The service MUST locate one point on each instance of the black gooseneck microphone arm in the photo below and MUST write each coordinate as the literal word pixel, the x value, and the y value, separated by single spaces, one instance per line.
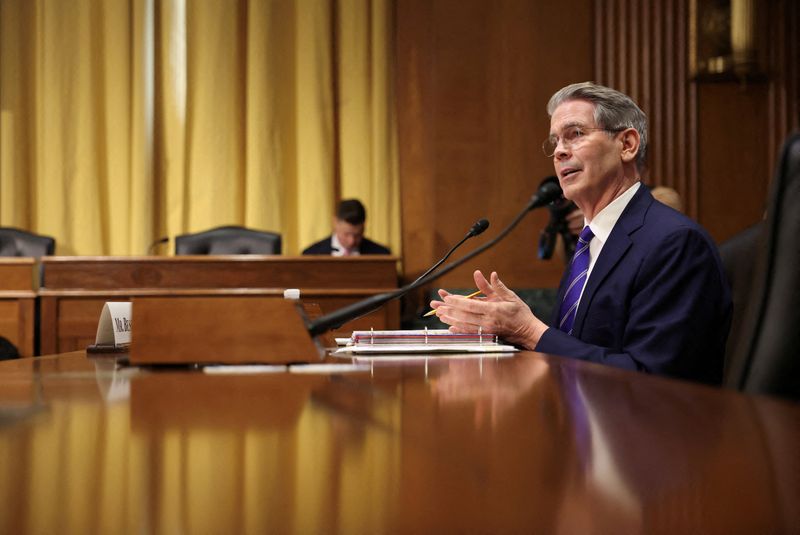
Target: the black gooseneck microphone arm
pixel 478 228
pixel 155 244
pixel 547 193
pixel 336 318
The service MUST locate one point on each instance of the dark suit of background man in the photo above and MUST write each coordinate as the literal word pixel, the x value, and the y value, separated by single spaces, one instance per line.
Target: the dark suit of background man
pixel 348 233
pixel 655 297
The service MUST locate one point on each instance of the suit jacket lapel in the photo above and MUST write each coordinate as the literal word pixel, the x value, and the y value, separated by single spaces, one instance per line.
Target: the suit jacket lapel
pixel 619 241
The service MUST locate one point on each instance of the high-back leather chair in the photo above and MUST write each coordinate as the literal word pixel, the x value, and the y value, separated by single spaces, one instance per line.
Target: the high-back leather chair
pixel 228 240
pixel 18 242
pixel 738 255
pixel 766 358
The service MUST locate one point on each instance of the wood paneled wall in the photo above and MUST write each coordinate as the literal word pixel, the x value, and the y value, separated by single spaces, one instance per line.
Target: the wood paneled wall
pixel 716 142
pixel 641 48
pixel 474 77
pixel 473 80
pixel 783 92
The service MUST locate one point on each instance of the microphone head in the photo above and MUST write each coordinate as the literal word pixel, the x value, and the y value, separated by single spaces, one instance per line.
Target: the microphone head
pixel 479 227
pixel 552 179
pixel 549 191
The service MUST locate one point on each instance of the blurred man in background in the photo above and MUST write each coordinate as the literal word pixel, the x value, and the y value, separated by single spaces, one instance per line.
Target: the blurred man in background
pixel 348 238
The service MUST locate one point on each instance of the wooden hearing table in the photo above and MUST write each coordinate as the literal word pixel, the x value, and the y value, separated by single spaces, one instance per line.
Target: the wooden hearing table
pixel 17 299
pixel 524 444
pixel 75 288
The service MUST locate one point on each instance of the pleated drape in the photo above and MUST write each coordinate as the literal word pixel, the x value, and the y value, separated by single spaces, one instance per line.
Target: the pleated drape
pixel 127 120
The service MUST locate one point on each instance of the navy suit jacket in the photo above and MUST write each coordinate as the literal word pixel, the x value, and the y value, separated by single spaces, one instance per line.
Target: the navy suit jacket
pixel 657 299
pixel 366 247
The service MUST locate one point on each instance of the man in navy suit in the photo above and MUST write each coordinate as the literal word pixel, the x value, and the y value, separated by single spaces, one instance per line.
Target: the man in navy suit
pixel 652 295
pixel 348 233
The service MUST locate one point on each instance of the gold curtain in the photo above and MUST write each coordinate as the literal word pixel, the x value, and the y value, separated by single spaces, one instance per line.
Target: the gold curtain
pixel 127 120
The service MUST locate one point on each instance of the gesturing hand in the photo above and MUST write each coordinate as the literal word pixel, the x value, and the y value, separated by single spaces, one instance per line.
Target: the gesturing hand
pixel 575 221
pixel 501 312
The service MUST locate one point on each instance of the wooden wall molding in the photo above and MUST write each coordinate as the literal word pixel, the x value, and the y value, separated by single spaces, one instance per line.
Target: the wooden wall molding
pixel 716 143
pixel 783 110
pixel 641 50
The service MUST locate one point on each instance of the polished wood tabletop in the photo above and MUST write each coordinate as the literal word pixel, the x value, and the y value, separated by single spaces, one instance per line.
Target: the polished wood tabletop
pixel 525 443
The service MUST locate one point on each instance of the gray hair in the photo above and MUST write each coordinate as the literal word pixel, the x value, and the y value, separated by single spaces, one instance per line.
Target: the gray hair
pixel 613 110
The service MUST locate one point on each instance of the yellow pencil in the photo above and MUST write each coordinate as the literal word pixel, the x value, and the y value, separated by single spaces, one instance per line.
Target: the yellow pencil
pixel 470 296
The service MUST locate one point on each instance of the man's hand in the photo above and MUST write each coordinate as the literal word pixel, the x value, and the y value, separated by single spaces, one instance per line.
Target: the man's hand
pixel 575 221
pixel 501 312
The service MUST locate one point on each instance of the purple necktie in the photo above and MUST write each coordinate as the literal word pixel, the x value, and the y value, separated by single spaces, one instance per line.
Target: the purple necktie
pixel 577 278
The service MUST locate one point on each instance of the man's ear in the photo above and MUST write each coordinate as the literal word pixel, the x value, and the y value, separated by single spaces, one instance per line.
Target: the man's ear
pixel 630 144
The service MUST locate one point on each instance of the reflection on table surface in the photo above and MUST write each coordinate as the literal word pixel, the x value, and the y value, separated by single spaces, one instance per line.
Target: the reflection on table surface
pixel 530 443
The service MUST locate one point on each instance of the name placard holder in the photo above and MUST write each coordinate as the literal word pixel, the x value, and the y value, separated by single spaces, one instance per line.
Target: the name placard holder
pixel 113 329
pixel 220 330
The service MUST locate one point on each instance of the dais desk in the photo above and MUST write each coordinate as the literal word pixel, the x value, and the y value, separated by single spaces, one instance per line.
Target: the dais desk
pixel 75 288
pixel 526 444
pixel 17 303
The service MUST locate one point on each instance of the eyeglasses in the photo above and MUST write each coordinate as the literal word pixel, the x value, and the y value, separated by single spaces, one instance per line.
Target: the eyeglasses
pixel 570 137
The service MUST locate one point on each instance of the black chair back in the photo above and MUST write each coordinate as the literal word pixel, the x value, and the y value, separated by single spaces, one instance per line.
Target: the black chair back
pixel 766 358
pixel 228 240
pixel 18 242
pixel 738 256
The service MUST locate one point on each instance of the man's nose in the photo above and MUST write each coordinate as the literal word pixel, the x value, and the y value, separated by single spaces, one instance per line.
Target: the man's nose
pixel 562 150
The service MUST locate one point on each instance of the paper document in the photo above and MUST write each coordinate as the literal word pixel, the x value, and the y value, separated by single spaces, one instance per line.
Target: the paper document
pixel 422 357
pixel 328 368
pixel 244 369
pixel 420 336
pixel 422 341
pixel 383 349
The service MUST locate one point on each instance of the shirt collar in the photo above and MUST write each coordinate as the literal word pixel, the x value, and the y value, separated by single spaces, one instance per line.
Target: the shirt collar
pixel 603 223
pixel 338 248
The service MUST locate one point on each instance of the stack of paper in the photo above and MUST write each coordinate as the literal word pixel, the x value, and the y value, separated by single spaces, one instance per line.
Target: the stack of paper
pixel 422 341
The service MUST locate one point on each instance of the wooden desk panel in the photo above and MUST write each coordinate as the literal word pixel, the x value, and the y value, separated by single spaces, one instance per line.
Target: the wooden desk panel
pixel 17 274
pixel 77 287
pixel 233 271
pixel 526 444
pixel 17 303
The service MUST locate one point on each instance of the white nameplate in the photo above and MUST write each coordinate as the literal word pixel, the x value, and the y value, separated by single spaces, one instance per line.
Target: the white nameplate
pixel 114 327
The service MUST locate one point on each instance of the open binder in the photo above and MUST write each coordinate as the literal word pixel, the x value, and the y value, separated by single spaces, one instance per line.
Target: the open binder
pixel 423 341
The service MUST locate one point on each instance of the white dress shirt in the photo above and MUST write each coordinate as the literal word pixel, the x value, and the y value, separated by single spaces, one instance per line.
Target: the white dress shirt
pixel 339 249
pixel 602 225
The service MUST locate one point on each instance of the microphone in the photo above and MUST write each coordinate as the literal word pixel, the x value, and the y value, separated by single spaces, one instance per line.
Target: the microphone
pixel 559 209
pixel 478 228
pixel 340 316
pixel 547 193
pixel 156 243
